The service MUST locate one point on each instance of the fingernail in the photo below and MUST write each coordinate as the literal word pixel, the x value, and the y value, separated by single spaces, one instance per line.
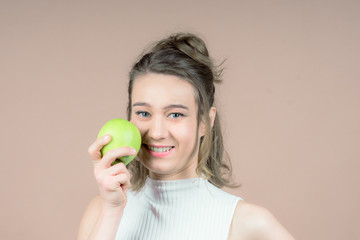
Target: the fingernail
pixel 132 151
pixel 107 137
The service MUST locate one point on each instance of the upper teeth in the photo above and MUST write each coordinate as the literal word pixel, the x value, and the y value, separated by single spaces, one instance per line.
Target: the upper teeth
pixel 160 149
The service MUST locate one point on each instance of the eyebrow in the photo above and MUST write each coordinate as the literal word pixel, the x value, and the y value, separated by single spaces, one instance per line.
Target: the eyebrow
pixel 166 107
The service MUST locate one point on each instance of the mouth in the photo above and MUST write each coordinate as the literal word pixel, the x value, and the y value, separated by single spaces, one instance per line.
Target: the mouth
pixel 159 151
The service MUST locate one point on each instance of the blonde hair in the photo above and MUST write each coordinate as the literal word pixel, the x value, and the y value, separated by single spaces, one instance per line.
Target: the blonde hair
pixel 185 55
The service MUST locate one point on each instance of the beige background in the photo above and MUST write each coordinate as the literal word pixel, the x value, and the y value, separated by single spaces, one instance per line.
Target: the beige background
pixel 290 104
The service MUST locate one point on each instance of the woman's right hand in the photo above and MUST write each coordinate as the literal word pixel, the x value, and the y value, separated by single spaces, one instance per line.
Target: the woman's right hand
pixel 112 181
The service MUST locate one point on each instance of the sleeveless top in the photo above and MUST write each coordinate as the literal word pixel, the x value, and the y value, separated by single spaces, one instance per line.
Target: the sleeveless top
pixel 177 209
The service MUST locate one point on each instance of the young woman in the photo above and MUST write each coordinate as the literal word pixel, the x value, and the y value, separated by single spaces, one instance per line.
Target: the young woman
pixel 172 189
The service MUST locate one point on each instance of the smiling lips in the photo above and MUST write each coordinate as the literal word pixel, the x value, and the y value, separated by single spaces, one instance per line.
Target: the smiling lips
pixel 159 151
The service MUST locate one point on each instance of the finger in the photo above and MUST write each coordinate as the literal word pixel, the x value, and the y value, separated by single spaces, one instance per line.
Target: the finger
pixel 117 169
pixel 95 147
pixel 111 155
pixel 121 180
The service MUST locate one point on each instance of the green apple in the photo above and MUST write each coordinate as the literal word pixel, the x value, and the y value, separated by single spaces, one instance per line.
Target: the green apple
pixel 123 134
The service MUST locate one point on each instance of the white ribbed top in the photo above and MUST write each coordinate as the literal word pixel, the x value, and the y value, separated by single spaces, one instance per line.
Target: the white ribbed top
pixel 179 209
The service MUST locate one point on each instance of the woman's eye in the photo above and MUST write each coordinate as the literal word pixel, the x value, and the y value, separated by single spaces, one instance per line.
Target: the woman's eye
pixel 143 114
pixel 176 115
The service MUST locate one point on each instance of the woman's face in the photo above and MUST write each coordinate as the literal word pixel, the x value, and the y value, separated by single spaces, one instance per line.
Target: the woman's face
pixel 165 111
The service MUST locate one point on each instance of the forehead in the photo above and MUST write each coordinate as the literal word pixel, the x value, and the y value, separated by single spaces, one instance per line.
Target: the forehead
pixel 161 90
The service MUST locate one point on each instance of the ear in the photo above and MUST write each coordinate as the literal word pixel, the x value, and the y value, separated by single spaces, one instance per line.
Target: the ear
pixel 212 115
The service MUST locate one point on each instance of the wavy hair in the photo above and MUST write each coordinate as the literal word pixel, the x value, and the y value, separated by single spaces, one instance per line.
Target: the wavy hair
pixel 185 55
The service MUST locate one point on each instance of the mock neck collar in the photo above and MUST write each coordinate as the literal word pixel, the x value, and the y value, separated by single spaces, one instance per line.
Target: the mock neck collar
pixel 167 191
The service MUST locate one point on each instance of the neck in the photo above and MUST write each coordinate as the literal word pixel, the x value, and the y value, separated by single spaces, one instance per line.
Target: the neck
pixel 165 192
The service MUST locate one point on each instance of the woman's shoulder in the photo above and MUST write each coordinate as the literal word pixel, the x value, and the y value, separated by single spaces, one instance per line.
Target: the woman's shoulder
pixel 251 221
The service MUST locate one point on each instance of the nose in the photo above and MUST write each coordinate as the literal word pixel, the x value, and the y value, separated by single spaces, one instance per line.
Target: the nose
pixel 158 129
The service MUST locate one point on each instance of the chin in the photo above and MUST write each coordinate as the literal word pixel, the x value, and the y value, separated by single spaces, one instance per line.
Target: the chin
pixel 158 166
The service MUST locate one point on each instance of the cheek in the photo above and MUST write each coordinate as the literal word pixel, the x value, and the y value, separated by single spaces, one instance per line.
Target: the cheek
pixel 185 133
pixel 140 125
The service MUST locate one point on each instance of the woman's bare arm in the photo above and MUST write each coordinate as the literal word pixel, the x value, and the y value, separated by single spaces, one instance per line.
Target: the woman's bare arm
pixel 89 218
pixel 98 224
pixel 103 214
